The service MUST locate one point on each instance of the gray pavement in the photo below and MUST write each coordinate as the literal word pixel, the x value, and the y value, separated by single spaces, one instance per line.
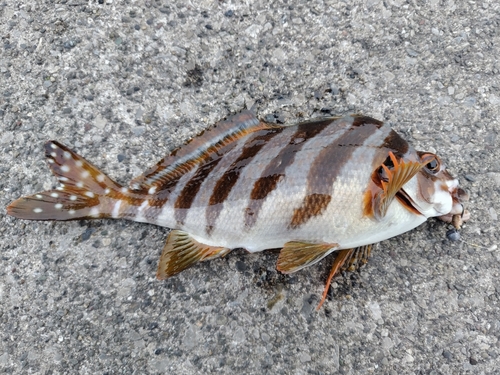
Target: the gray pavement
pixel 124 82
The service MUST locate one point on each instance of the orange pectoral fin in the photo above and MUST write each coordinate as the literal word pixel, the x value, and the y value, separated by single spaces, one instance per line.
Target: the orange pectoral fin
pixel 296 255
pixel 182 251
pixel 396 178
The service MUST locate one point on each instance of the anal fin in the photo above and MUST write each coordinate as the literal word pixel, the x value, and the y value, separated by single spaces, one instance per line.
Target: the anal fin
pixel 182 251
pixel 296 255
pixel 346 260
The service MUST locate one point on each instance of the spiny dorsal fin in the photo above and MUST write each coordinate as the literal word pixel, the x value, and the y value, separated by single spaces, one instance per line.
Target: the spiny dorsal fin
pixel 197 150
pixel 182 251
pixel 296 255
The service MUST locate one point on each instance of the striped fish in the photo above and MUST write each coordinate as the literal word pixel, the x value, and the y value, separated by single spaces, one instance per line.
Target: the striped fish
pixel 323 186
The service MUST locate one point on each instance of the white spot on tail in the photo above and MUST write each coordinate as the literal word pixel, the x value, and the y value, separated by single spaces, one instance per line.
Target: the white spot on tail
pixel 71 212
pixel 116 209
pixel 51 161
pixel 67 155
pixel 54 195
pixel 73 198
pixel 64 179
pixel 94 211
pixel 124 190
pixel 79 163
pixel 139 216
pixel 54 146
pixel 152 190
pixel 60 188
pixel 65 168
pixel 85 174
pixel 107 191
pixel 38 196
pixel 79 184
pixel 143 205
pixel 37 210
pixel 58 206
pixel 100 178
pixel 89 194
pixel 53 154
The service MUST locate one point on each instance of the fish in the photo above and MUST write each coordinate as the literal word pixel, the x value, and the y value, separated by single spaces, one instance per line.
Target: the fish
pixel 323 186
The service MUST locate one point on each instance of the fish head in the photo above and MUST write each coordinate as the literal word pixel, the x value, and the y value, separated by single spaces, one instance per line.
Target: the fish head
pixel 433 191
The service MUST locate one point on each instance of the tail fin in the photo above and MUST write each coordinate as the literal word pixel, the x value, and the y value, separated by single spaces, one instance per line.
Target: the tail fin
pixel 79 195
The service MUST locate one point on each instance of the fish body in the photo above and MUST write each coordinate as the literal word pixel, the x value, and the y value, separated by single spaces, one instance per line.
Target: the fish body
pixel 311 189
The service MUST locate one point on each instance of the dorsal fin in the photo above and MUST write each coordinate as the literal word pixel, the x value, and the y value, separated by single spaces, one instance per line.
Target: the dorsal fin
pixel 195 151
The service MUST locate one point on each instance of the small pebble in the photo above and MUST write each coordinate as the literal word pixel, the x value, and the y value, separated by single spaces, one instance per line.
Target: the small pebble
pixel 241 266
pixel 470 178
pixel 138 130
pixel 447 354
pixel 493 214
pixel 453 235
pixel 270 118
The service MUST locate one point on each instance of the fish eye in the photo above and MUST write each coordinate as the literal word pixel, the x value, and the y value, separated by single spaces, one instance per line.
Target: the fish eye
pixel 433 165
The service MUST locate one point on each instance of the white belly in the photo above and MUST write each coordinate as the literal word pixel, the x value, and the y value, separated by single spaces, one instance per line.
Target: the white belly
pixel 348 231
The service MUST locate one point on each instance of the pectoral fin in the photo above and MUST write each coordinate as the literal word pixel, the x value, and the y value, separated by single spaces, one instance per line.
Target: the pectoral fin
pixel 400 174
pixel 296 255
pixel 346 260
pixel 182 251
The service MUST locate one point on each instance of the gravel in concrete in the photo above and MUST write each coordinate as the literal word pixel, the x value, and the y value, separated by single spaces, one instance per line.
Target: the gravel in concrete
pixel 123 82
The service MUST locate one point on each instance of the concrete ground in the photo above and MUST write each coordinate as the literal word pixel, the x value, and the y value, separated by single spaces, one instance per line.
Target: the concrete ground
pixel 124 82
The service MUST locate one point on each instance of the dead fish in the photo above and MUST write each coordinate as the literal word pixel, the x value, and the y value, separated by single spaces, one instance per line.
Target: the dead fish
pixel 318 187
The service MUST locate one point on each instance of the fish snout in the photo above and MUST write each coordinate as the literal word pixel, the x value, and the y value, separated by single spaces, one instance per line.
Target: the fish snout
pixel 460 197
pixel 458 213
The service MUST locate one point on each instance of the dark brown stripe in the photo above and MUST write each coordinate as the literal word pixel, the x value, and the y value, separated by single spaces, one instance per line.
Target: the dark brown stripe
pixel 275 170
pixel 397 144
pixel 313 205
pixel 365 120
pixel 159 199
pixel 325 169
pixel 228 180
pixel 192 187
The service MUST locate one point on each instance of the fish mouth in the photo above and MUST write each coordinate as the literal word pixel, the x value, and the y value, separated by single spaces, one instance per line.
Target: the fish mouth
pixel 406 201
pixel 458 213
pixel 456 216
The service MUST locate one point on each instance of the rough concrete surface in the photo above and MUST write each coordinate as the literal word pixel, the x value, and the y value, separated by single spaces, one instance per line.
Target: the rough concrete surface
pixel 123 82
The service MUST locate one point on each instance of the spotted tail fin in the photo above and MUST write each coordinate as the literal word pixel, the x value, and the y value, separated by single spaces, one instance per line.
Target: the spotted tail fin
pixel 84 191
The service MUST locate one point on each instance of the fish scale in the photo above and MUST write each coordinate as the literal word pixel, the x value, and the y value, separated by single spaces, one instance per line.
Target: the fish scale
pixel 322 186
